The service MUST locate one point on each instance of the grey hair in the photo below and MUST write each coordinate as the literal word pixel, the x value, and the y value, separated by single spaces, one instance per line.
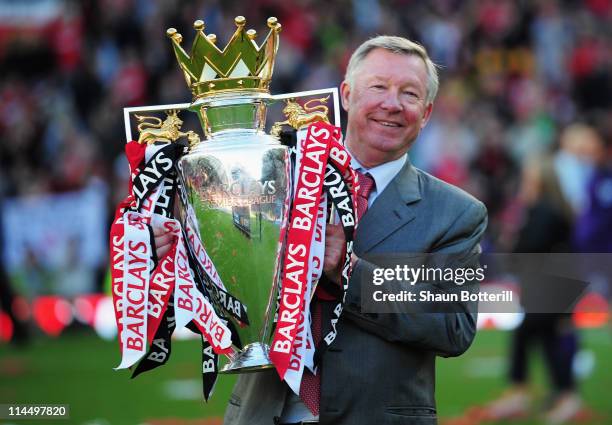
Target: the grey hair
pixel 399 45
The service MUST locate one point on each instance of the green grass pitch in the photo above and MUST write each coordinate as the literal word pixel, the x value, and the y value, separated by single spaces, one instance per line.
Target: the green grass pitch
pixel 76 369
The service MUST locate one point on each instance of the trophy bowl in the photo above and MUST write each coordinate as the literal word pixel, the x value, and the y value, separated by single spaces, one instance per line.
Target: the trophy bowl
pixel 236 181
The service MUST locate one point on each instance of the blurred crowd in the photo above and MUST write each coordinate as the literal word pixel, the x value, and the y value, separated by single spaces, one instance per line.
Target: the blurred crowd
pixel 520 79
pixel 523 118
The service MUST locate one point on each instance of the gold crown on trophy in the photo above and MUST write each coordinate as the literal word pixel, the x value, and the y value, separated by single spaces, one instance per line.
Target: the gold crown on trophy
pixel 242 65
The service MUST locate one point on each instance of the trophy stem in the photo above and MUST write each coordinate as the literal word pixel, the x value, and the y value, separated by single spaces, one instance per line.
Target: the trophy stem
pixel 220 112
pixel 252 358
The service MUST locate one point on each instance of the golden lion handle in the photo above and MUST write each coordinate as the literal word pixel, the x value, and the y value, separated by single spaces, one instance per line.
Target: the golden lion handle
pixel 300 116
pixel 152 129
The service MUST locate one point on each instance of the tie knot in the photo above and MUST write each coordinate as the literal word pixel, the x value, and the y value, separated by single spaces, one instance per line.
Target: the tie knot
pixel 366 184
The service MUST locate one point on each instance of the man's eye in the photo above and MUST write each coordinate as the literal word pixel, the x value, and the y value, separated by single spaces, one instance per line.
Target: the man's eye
pixel 378 86
pixel 411 94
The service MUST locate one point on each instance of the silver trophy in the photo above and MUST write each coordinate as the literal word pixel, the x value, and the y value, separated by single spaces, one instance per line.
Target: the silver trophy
pixel 237 176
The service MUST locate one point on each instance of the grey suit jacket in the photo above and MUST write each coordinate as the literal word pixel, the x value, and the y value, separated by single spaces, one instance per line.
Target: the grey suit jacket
pixel 381 367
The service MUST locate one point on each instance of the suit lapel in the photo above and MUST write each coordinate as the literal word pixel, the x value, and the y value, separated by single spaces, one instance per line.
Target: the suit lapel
pixel 391 210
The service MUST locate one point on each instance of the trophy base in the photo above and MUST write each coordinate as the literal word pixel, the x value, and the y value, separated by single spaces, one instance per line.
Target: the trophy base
pixel 252 358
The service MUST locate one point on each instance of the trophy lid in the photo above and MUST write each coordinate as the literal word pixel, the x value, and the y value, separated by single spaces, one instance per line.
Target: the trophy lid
pixel 241 67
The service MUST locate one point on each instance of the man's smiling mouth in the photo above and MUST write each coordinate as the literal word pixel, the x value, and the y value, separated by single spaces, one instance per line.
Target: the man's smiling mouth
pixel 387 123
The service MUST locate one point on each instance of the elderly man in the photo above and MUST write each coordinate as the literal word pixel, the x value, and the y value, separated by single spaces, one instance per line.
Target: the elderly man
pixel 381 367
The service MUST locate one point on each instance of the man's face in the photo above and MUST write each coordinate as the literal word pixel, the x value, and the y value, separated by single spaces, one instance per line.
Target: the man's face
pixel 386 106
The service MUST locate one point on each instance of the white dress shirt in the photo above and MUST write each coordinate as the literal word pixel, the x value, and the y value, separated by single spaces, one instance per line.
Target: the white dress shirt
pixel 382 174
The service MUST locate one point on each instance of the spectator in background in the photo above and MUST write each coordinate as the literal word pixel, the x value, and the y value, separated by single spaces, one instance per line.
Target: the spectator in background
pixel 581 151
pixel 593 229
pixel 20 332
pixel 547 227
pixel 594 225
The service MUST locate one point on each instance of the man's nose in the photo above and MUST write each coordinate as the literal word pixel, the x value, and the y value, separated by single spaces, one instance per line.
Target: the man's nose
pixel 391 102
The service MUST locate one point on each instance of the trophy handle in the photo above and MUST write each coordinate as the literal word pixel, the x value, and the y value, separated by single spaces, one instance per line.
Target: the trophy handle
pixel 300 116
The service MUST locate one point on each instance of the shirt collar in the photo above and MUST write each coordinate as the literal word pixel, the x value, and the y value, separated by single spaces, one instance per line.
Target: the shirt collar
pixel 383 173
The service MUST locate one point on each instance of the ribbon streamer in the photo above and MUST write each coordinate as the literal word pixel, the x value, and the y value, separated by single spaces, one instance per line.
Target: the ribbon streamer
pixel 152 296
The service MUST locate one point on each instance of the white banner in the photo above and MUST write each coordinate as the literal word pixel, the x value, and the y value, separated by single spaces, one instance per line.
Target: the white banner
pixel 51 228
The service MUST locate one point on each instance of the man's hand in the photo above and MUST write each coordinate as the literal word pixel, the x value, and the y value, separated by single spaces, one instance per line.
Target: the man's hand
pixel 163 241
pixel 335 244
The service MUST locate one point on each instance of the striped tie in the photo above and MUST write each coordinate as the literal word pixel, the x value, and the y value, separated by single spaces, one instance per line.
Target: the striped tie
pixel 310 389
pixel 366 185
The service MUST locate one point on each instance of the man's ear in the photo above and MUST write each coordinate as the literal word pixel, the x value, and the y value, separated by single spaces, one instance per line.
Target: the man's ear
pixel 345 91
pixel 427 115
